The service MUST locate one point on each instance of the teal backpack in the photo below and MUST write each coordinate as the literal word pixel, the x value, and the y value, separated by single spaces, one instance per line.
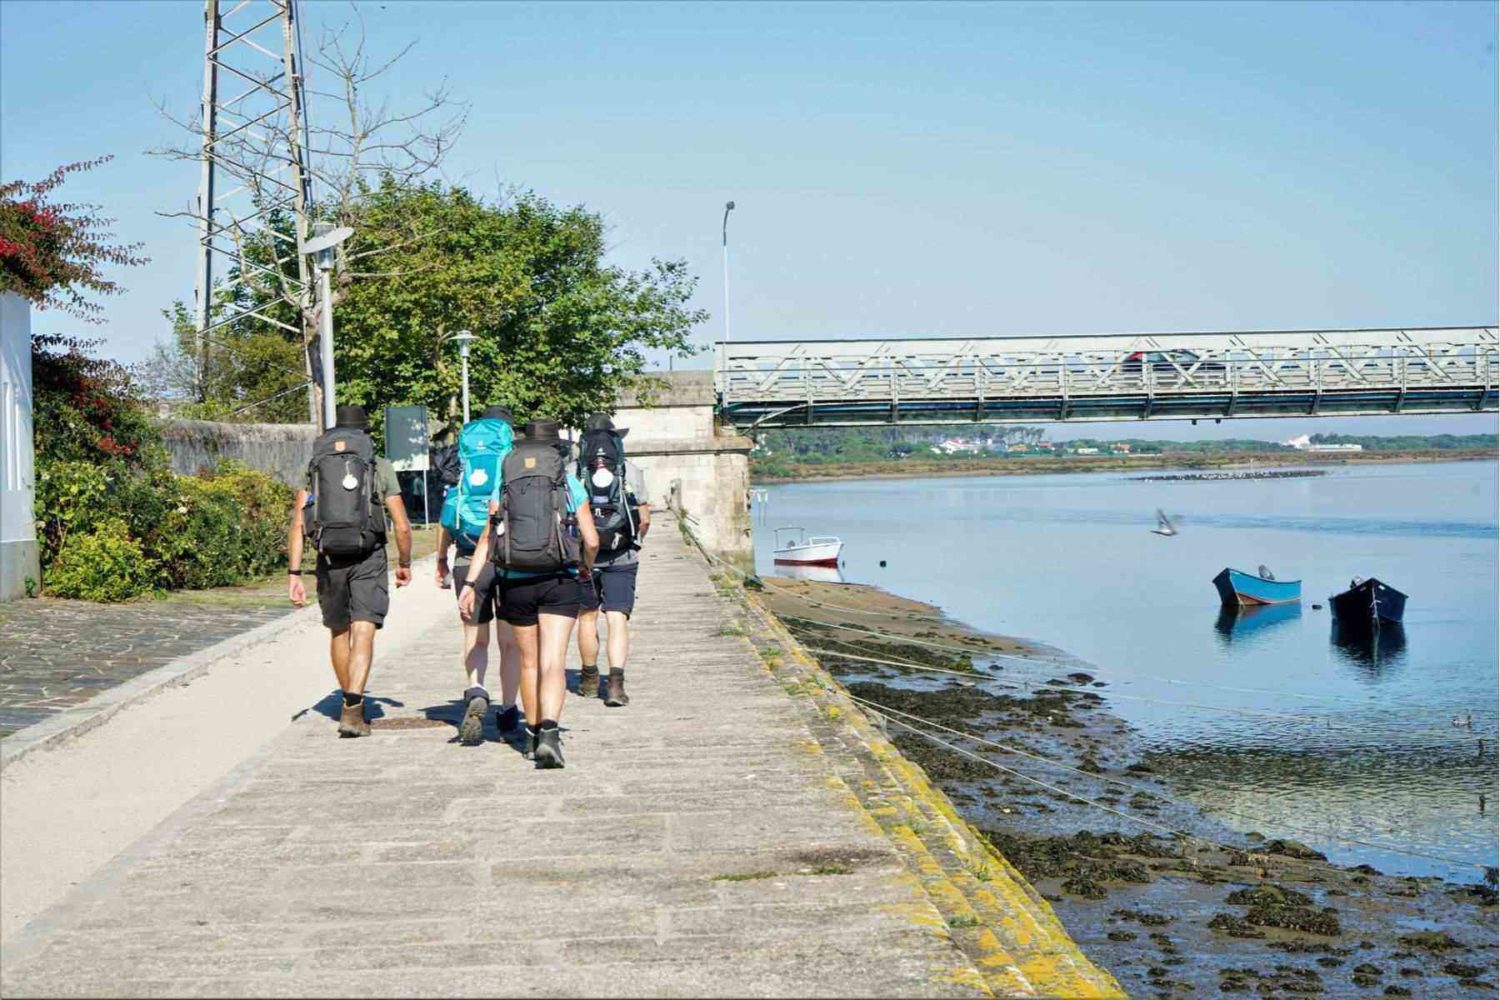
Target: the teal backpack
pixel 482 445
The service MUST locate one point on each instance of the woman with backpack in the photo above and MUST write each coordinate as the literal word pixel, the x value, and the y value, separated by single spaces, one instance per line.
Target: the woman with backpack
pixel 540 539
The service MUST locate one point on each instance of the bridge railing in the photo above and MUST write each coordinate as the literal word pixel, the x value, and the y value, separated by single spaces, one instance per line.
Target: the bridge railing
pixel 763 375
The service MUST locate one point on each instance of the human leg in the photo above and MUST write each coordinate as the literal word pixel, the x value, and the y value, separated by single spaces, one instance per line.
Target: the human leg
pixel 617 600
pixel 510 676
pixel 588 636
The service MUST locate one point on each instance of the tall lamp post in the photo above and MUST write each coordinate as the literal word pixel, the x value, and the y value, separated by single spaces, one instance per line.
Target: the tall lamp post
pixel 324 238
pixel 464 337
pixel 724 346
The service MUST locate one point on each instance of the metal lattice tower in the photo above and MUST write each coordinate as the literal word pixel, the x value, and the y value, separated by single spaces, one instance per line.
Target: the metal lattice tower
pixel 254 166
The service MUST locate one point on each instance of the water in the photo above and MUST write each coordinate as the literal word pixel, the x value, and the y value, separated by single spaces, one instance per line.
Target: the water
pixel 1327 742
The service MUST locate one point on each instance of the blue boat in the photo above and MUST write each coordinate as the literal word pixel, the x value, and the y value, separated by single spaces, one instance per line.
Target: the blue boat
pixel 1241 589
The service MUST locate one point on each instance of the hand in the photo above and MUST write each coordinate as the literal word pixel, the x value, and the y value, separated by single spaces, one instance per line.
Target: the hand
pixel 403 575
pixel 442 574
pixel 466 604
pixel 296 592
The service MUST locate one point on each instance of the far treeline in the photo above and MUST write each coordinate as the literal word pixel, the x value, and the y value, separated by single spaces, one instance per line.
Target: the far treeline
pixel 810 451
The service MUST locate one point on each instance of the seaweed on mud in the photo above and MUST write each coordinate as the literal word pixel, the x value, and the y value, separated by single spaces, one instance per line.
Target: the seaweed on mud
pixel 1463 970
pixel 1397 991
pixel 1277 906
pixel 1267 895
pixel 1143 917
pixel 1234 926
pixel 1433 941
pixel 940 763
pixel 1085 861
pixel 1121 935
pixel 1294 849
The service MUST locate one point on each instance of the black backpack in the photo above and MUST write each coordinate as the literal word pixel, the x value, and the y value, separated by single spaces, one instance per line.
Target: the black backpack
pixel 346 515
pixel 601 469
pixel 445 464
pixel 533 530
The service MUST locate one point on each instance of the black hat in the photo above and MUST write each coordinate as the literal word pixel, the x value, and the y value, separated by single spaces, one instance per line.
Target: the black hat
pixel 602 422
pixel 541 432
pixel 497 412
pixel 351 416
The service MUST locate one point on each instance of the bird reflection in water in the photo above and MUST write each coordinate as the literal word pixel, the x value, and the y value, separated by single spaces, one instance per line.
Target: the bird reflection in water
pixel 1373 651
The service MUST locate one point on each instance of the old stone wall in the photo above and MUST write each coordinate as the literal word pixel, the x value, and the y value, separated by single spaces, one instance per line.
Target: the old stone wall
pixel 281 450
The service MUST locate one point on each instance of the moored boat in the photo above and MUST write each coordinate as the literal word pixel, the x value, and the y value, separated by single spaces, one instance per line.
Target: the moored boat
pixel 819 550
pixel 1238 588
pixel 1368 604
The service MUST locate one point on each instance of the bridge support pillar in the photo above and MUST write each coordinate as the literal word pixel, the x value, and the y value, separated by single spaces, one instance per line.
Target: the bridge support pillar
pixel 690 464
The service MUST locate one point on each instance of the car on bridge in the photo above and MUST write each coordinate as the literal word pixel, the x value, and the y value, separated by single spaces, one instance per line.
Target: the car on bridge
pixel 1171 361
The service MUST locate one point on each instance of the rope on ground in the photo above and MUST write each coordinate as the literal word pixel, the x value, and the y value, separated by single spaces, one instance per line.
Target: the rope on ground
pixel 1259 821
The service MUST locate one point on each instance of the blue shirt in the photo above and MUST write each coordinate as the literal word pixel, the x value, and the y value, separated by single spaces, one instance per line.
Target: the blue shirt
pixel 577 497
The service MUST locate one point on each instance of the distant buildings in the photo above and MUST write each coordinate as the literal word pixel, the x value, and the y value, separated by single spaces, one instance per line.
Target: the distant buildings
pixel 1304 442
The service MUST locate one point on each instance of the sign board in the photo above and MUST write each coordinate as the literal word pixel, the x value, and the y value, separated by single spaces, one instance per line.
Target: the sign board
pixel 406 441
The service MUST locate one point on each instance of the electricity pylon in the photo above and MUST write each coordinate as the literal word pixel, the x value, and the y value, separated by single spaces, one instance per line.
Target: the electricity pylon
pixel 254 168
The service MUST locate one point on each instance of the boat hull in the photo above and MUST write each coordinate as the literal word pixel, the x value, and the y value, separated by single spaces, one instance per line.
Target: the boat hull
pixel 1239 589
pixel 816 554
pixel 1369 605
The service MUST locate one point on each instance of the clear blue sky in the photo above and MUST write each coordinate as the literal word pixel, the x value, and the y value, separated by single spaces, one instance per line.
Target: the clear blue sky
pixel 899 169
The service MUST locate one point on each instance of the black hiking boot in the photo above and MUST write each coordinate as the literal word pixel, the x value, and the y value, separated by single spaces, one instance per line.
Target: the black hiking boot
pixel 614 694
pixel 588 681
pixel 548 752
pixel 508 721
pixel 471 730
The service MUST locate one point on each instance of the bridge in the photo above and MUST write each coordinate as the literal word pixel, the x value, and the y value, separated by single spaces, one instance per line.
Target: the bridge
pixel 1159 376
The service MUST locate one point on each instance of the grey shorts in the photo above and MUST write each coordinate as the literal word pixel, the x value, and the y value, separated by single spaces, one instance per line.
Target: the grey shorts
pixel 484 589
pixel 354 589
pixel 611 589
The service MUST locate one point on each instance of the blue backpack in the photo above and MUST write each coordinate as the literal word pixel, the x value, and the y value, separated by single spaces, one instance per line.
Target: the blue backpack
pixel 482 445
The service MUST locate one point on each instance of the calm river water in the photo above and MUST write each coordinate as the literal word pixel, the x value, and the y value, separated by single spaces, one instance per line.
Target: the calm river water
pixel 1327 742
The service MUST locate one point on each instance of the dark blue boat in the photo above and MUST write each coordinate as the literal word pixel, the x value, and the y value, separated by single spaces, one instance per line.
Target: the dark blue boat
pixel 1368 604
pixel 1238 588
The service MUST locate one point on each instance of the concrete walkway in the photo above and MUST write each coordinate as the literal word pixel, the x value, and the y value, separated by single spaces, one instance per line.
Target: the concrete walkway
pixel 704 841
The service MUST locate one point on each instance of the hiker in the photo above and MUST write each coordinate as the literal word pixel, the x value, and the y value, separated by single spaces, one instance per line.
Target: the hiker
pixel 617 491
pixel 540 539
pixel 339 510
pixel 481 445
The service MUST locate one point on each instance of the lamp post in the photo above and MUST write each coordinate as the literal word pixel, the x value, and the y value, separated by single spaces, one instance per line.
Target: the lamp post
pixel 320 248
pixel 724 343
pixel 464 337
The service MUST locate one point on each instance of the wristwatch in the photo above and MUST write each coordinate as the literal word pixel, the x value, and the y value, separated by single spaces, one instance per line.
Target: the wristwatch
pixel 295 572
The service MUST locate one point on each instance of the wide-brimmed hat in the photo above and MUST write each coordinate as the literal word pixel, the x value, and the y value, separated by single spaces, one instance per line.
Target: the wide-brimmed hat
pixel 351 416
pixel 541 432
pixel 497 412
pixel 602 422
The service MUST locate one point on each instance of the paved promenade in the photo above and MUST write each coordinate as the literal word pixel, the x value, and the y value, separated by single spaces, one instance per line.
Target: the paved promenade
pixel 733 832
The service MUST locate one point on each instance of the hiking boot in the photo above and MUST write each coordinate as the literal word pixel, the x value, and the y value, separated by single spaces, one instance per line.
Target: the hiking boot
pixel 528 743
pixel 588 682
pixel 352 720
pixel 614 694
pixel 471 730
pixel 548 753
pixel 508 721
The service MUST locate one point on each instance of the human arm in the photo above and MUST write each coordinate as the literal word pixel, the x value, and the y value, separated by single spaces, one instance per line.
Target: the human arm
pixel 642 520
pixel 443 541
pixel 476 566
pixel 396 507
pixel 295 591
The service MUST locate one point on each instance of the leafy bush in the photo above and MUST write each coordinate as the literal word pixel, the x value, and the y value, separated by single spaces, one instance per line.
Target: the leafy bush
pixel 197 543
pixel 105 564
pixel 73 497
pixel 264 508
pixel 88 408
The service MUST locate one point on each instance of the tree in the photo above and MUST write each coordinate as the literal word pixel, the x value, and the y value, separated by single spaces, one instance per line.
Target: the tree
pixel 559 332
pixel 54 253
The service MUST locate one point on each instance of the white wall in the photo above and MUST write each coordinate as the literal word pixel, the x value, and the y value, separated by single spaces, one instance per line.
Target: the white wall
pixel 18 550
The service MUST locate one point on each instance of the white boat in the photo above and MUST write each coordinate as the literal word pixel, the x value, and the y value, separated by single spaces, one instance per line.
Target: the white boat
pixel 819 550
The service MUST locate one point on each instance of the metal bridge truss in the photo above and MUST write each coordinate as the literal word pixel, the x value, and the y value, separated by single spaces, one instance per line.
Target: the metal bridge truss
pixel 1115 377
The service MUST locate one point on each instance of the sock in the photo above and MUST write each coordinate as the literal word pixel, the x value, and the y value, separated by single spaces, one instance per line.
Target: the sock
pixel 617 672
pixel 546 725
pixel 590 667
pixel 350 700
pixel 477 691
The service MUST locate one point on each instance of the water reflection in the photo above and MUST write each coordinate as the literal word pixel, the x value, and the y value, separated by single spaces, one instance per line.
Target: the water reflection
pixel 1373 651
pixel 1238 624
pixel 818 574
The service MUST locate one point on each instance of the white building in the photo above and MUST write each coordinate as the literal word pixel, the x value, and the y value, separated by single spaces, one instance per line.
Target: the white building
pixel 18 550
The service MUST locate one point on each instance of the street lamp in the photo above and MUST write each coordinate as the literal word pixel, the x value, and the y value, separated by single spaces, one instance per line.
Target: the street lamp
pixel 464 337
pixel 320 249
pixel 728 207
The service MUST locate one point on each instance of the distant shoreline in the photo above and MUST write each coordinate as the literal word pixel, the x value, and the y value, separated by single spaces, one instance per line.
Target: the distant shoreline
pixel 922 469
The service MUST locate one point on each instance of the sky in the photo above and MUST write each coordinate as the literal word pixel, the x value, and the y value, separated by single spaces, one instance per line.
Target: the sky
pixel 898 170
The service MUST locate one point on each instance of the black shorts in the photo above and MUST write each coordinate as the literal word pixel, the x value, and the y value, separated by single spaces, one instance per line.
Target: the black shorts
pixel 521 601
pixel 484 589
pixel 611 589
pixel 353 589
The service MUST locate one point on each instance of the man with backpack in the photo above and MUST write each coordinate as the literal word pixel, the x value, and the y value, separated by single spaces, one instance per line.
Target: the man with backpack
pixel 540 539
pixel 616 490
pixel 482 444
pixel 340 511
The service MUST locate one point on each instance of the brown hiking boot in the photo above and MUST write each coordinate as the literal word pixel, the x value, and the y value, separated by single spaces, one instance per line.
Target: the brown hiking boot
pixel 614 693
pixel 352 721
pixel 588 682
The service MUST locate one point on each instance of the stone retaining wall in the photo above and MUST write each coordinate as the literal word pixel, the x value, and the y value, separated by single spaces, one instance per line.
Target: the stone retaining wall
pixel 282 450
